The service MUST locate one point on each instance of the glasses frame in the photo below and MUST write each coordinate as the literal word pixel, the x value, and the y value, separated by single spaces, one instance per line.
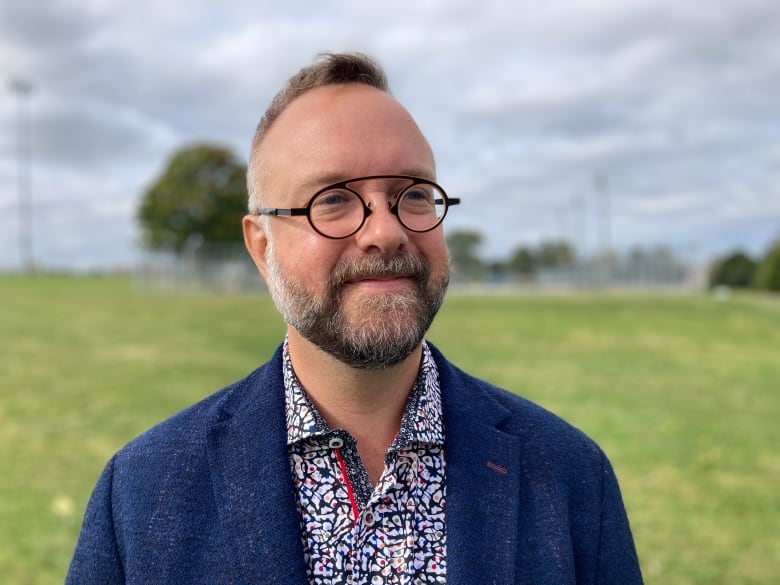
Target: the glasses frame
pixel 306 211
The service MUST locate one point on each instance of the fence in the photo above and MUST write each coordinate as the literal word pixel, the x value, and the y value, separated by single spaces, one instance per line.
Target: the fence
pixel 223 268
pixel 227 268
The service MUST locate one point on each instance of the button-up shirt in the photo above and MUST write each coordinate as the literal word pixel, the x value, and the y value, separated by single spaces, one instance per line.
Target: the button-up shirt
pixel 357 533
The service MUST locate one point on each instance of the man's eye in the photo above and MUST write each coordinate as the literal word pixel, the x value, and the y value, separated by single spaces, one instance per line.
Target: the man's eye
pixel 418 195
pixel 334 198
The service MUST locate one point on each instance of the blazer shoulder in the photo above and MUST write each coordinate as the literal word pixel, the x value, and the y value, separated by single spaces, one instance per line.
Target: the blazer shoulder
pixel 188 429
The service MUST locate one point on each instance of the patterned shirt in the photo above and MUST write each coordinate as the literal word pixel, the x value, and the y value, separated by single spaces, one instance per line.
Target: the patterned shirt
pixel 357 533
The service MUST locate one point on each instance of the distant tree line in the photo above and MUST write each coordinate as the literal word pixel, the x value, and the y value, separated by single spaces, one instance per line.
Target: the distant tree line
pixel 739 270
pixel 528 263
pixel 524 261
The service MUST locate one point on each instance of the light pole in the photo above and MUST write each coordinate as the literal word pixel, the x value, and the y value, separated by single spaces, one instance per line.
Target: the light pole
pixel 23 89
pixel 601 181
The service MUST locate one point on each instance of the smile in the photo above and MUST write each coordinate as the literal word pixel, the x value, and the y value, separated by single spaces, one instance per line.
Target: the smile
pixel 383 283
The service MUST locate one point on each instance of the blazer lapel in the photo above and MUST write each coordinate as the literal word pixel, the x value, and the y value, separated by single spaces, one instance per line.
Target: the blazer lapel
pixel 253 486
pixel 483 483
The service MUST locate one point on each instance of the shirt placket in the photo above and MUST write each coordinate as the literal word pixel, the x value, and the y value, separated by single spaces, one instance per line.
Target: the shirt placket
pixel 374 555
pixel 379 525
pixel 356 488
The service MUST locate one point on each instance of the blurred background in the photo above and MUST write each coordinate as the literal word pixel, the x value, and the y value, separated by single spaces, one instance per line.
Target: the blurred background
pixel 598 147
pixel 642 132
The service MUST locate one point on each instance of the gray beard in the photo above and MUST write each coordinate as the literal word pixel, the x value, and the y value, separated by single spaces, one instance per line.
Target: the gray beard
pixel 378 331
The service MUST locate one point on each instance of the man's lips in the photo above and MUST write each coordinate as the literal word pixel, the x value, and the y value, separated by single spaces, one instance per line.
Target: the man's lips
pixel 381 277
pixel 381 282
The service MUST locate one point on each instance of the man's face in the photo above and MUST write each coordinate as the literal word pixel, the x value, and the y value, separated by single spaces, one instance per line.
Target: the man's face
pixel 367 299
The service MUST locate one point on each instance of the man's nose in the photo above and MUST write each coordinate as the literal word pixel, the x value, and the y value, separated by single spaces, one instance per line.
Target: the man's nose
pixel 382 231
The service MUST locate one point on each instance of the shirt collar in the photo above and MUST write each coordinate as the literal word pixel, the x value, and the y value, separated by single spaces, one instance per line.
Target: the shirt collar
pixel 421 421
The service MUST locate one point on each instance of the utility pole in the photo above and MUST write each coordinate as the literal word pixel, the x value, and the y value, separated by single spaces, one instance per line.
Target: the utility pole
pixel 23 90
pixel 579 226
pixel 601 181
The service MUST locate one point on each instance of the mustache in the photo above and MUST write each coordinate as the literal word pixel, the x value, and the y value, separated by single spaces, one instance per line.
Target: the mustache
pixel 404 264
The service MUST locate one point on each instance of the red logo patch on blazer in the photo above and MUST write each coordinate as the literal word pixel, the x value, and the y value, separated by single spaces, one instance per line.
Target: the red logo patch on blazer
pixel 497 468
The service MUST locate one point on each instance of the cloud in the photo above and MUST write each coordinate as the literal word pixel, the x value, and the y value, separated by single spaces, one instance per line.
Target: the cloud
pixel 524 104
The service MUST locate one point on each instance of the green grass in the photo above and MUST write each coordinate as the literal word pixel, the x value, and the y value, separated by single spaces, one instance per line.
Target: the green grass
pixel 680 391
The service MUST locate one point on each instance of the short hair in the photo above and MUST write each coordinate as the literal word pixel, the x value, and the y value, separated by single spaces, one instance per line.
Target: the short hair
pixel 330 69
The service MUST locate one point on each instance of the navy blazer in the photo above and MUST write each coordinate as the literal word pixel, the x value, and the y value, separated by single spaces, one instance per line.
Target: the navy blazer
pixel 208 497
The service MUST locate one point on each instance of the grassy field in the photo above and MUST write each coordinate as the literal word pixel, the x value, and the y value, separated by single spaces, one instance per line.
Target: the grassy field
pixel 682 393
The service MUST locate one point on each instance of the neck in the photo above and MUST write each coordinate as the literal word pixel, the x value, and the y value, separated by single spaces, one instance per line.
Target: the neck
pixel 369 404
pixel 344 394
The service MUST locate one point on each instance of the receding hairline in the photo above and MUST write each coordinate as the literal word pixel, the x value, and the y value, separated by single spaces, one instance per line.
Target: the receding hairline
pixel 330 69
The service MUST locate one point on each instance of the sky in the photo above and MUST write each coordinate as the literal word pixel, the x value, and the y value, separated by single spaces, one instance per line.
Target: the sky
pixel 613 124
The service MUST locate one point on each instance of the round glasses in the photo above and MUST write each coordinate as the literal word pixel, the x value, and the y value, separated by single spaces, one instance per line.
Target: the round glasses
pixel 339 211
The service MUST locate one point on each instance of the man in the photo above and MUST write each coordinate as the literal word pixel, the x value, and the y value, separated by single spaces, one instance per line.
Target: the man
pixel 358 454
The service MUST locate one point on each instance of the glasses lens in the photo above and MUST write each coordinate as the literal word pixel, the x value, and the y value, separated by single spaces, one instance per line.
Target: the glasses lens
pixel 421 207
pixel 337 213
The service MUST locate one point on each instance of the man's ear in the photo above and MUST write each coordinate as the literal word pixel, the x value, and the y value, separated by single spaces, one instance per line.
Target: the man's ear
pixel 256 242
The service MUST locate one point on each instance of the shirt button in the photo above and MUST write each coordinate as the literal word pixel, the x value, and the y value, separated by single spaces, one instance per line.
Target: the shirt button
pixel 368 518
pixel 336 443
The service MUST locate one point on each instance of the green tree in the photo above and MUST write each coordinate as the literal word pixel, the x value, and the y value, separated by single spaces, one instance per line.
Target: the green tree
pixel 736 270
pixel 199 197
pixel 463 246
pixel 767 275
pixel 554 254
pixel 523 261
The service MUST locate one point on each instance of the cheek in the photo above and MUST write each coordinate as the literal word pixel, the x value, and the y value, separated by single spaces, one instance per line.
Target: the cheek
pixel 434 248
pixel 307 259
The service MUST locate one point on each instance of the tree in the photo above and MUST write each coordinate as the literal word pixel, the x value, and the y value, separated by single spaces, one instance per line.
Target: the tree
pixel 523 261
pixel 736 270
pixel 199 197
pixel 555 254
pixel 767 275
pixel 463 245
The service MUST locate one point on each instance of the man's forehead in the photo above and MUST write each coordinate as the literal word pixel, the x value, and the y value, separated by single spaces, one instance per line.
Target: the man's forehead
pixel 340 132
